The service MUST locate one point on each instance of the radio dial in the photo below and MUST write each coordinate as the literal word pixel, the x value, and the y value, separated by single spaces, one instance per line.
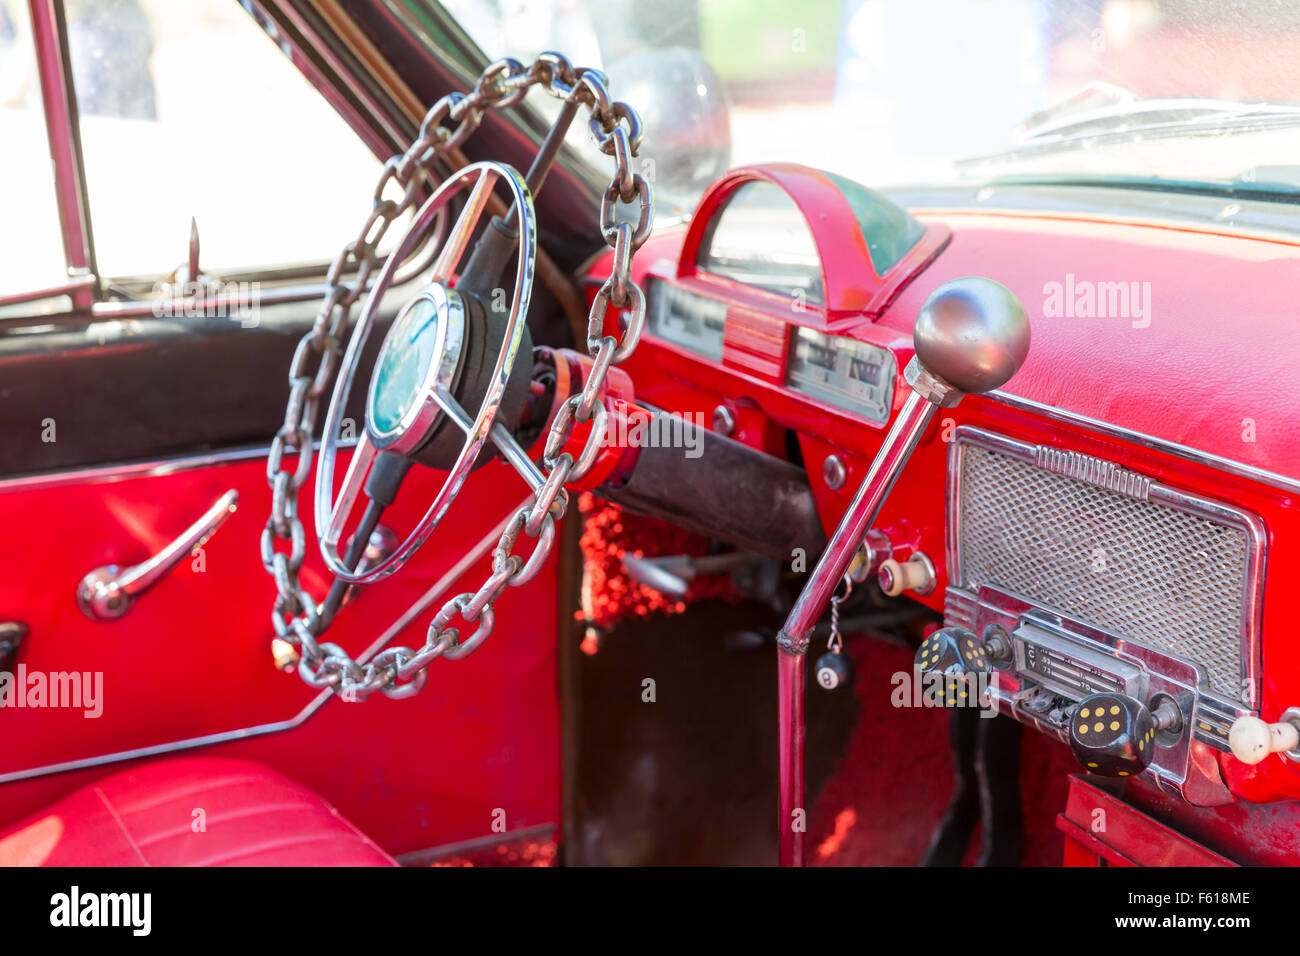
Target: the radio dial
pixel 1115 735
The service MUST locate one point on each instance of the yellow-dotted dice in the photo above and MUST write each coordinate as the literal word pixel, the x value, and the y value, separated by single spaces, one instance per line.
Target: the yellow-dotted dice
pixel 1112 734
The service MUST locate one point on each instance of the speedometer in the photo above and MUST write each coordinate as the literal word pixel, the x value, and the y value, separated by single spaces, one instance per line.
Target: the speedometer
pixel 852 375
pixel 691 321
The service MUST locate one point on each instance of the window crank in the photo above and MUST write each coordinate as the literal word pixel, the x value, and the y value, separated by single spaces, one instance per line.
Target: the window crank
pixel 108 592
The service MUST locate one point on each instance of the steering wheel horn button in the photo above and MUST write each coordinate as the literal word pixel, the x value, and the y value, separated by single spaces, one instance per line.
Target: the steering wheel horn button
pixel 420 355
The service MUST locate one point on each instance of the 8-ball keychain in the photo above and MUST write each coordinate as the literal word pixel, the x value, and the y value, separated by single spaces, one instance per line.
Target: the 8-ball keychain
pixel 834 668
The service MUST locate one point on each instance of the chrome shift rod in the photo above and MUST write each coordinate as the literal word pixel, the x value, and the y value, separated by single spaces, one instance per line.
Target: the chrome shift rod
pixel 971 336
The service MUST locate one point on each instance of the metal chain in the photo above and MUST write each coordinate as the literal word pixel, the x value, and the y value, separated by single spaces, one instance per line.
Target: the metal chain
pixel 296 617
pixel 835 642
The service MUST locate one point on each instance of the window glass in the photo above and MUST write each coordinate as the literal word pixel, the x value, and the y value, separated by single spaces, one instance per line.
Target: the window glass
pixel 761 238
pixel 906 91
pixel 31 248
pixel 189 109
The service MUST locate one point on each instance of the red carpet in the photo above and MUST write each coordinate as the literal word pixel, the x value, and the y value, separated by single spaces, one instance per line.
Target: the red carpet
pixel 893 783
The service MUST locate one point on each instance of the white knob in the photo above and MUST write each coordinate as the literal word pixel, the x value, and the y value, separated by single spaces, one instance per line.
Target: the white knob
pixel 914 574
pixel 1251 739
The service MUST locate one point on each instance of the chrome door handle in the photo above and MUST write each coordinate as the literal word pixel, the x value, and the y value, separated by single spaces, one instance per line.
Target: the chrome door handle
pixel 107 593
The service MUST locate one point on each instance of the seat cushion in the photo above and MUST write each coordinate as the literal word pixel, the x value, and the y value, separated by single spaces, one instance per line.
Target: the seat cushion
pixel 191 812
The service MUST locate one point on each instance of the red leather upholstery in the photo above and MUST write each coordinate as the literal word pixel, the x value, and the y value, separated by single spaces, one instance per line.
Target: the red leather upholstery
pixel 190 812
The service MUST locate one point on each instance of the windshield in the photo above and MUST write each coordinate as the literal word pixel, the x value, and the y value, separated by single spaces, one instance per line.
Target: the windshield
pixel 1193 92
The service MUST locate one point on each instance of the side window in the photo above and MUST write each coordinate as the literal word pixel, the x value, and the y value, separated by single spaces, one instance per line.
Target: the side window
pixel 31 245
pixel 190 110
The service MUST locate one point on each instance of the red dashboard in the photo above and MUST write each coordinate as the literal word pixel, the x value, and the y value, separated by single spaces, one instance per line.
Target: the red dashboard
pixel 1178 392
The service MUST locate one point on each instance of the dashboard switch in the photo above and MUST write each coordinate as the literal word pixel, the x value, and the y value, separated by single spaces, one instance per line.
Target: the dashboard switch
pixel 834 472
pixel 915 574
pixel 724 421
pixel 1251 739
pixel 1115 735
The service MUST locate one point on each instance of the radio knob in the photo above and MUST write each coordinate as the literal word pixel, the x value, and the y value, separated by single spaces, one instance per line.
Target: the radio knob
pixel 958 654
pixel 1251 739
pixel 1115 735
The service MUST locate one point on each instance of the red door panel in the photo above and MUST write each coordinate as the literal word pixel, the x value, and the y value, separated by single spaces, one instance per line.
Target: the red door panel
pixel 191 657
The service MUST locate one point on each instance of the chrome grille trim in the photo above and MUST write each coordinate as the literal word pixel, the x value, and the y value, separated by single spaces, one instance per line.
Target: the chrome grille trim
pixel 959 608
pixel 1095 471
pixel 1166 541
pixel 1214 718
pixel 1263 476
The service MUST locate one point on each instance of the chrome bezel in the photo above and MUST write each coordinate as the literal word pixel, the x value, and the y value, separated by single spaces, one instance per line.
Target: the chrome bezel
pixel 1109 475
pixel 421 418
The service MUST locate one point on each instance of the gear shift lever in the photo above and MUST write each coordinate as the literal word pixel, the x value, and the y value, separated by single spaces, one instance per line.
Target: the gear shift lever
pixel 971 336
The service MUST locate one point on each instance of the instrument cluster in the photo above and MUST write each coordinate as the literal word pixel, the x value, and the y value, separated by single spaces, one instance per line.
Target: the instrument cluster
pixel 854 375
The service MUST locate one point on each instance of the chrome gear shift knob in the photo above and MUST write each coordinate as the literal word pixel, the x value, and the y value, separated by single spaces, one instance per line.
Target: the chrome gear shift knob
pixel 971 335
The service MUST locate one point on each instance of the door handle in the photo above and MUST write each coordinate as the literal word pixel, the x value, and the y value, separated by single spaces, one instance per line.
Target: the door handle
pixel 108 592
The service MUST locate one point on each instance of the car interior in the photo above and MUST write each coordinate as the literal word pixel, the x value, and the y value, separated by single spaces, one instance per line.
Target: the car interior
pixel 676 432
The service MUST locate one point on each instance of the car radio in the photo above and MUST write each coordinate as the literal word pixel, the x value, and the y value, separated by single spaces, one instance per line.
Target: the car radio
pixel 1126 709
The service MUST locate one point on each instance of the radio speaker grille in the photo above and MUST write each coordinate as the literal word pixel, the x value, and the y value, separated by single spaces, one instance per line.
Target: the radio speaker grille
pixel 1148 572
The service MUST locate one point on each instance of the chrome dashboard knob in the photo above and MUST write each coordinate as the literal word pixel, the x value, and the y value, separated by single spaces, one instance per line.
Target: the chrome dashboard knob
pixel 972 335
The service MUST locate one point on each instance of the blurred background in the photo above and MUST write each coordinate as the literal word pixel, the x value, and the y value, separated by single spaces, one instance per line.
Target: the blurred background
pixel 188 109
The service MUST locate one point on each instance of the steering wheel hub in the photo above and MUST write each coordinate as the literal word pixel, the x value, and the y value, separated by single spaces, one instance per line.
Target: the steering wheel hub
pixel 422 352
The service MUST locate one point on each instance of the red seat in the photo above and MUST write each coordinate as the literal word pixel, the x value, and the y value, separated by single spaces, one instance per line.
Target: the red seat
pixel 192 812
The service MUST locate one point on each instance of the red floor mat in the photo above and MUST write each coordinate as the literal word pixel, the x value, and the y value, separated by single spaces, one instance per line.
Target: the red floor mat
pixel 893 782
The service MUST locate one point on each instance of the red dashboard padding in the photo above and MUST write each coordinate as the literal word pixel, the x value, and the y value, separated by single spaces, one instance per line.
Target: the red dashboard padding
pixel 190 812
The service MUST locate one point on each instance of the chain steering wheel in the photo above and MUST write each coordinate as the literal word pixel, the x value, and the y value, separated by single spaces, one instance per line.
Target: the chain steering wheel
pixel 447 349
pixel 411 387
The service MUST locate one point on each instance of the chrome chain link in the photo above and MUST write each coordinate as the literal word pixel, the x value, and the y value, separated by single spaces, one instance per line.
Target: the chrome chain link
pixel 296 617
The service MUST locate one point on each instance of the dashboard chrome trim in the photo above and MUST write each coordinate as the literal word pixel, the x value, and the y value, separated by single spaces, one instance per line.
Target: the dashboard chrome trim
pixel 1094 471
pixel 1249 639
pixel 1185 452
